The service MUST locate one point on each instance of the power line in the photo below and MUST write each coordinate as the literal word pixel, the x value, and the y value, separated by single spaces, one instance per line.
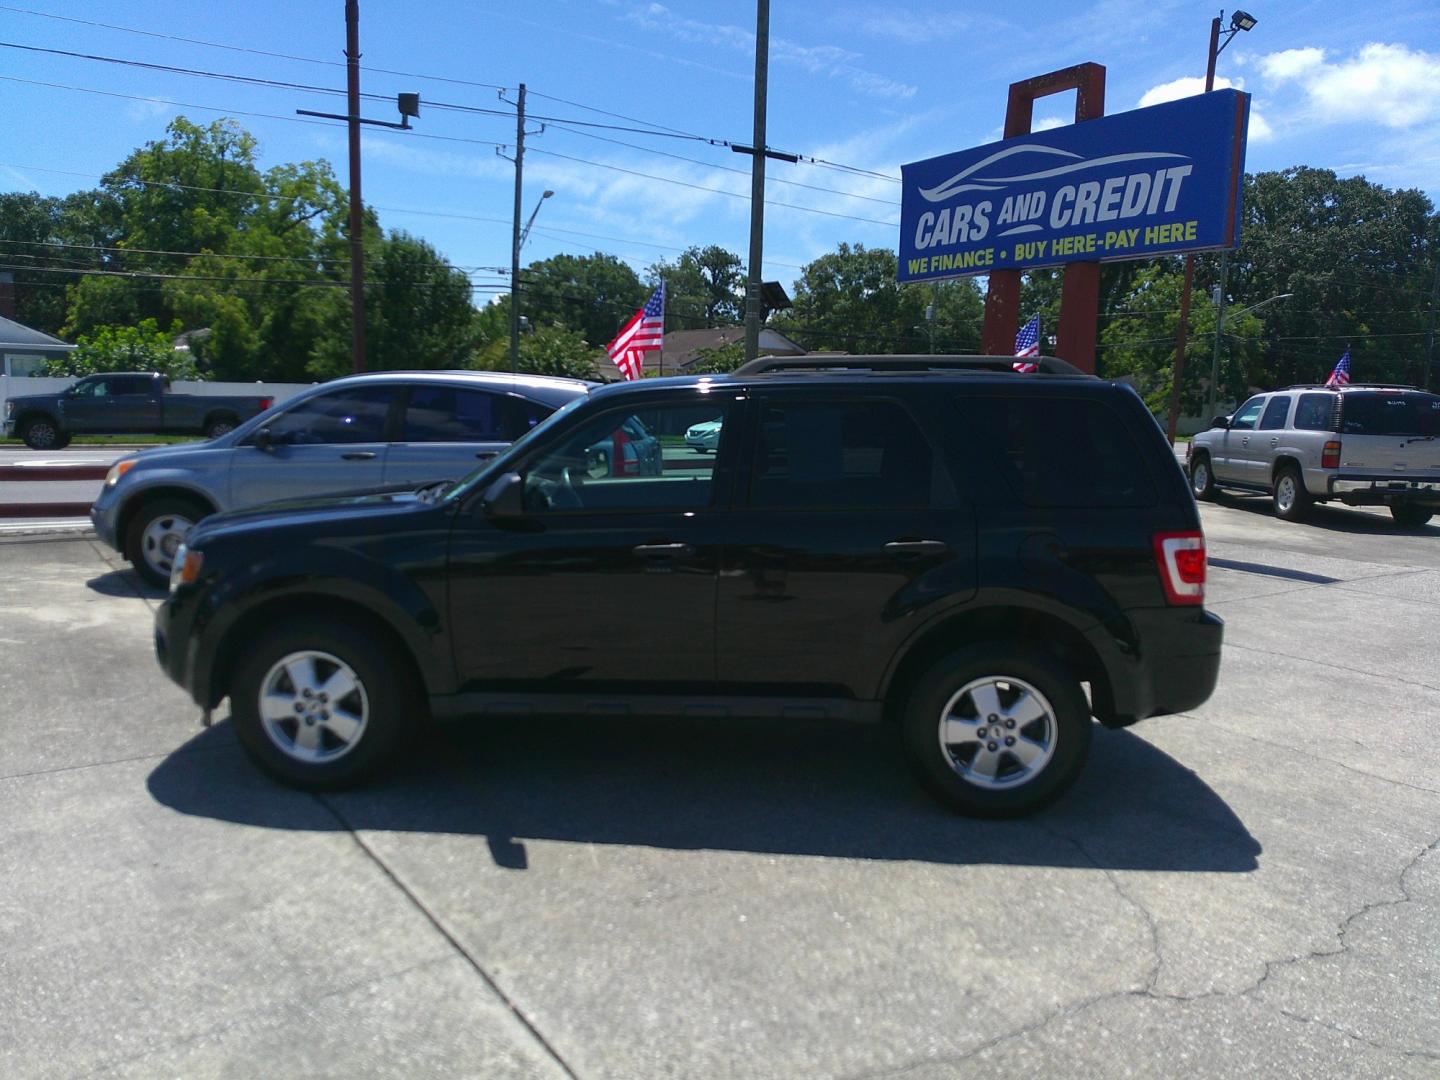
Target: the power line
pixel 247 282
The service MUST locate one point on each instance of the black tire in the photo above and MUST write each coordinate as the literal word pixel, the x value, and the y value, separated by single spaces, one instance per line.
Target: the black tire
pixel 1410 517
pixel 393 706
pixel 939 694
pixel 1202 478
pixel 41 433
pixel 154 530
pixel 1292 502
pixel 219 425
pixel 63 441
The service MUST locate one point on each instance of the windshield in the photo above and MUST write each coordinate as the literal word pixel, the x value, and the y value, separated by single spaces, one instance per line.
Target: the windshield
pixel 1412 414
pixel 501 462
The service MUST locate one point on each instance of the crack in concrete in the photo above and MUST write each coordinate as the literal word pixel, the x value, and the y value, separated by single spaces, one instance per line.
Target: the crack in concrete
pixel 1148 990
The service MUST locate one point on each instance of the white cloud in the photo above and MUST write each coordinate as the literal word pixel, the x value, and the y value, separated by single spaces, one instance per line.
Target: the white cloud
pixel 1190 85
pixel 1386 84
pixel 1048 123
pixel 1290 63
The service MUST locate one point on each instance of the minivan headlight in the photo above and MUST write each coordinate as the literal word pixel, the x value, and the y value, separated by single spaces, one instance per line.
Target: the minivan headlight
pixel 119 469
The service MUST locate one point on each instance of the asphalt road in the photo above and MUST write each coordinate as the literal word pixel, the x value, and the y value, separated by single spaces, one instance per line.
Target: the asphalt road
pixel 1249 890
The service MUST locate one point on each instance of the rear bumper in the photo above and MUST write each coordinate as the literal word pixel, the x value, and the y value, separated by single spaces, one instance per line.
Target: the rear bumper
pixel 1386 490
pixel 1176 671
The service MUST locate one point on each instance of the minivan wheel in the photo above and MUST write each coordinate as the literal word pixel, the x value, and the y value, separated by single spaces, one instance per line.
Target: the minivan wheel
pixel 320 704
pixel 996 732
pixel 155 534
pixel 1292 501
pixel 1410 517
pixel 1202 480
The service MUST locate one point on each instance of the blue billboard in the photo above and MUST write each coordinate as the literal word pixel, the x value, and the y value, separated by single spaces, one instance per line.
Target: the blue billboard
pixel 1156 181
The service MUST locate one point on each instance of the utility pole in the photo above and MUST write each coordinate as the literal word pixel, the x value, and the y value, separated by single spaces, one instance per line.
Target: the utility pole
pixel 757 182
pixel 515 235
pixel 1430 333
pixel 357 207
pixel 1212 397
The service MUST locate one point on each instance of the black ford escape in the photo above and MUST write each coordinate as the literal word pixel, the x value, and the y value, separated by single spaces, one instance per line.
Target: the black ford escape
pixel 940 542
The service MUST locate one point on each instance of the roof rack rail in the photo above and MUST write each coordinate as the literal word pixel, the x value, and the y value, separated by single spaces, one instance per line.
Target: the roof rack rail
pixel 1354 386
pixel 1045 365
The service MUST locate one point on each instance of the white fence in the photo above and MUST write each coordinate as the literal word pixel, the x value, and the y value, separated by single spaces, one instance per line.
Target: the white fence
pixel 21 385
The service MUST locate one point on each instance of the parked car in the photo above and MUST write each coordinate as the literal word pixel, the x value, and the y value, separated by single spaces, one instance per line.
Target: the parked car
pixel 703 438
pixel 938 541
pixel 392 429
pixel 122 403
pixel 1361 445
pixel 629 450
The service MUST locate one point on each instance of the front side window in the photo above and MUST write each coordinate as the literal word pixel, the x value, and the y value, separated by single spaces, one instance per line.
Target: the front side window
pixel 629 459
pixel 860 455
pixel 1275 413
pixel 1248 414
pixel 355 415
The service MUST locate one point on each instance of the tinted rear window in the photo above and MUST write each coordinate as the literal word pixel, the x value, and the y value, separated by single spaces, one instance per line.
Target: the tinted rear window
pixel 1058 452
pixel 1366 413
pixel 1316 412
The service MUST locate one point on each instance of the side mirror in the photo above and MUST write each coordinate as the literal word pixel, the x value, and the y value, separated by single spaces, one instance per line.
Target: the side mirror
pixel 264 440
pixel 505 497
pixel 1220 422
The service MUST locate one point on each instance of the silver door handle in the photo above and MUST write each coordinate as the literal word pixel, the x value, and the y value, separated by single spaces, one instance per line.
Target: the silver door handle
pixel 668 550
pixel 358 455
pixel 916 547
pixel 1275 441
pixel 485 455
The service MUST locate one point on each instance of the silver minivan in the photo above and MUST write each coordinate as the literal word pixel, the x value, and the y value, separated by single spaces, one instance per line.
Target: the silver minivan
pixel 385 429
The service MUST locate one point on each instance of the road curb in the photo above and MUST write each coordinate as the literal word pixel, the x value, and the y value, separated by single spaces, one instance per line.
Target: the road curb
pixel 45 510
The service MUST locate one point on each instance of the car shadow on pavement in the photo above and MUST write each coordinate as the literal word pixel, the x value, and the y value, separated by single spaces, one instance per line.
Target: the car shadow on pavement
pixel 792 789
pixel 124 583
pixel 1334 518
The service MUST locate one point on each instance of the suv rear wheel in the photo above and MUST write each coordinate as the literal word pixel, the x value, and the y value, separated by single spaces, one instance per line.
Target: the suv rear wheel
pixel 996 732
pixel 1292 500
pixel 1410 517
pixel 320 704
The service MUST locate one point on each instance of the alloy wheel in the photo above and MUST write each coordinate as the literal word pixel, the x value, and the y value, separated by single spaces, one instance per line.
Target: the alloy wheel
pixel 998 732
pixel 313 707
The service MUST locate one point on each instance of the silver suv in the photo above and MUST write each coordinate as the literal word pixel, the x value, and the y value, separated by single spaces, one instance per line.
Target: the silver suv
pixel 386 429
pixel 1365 444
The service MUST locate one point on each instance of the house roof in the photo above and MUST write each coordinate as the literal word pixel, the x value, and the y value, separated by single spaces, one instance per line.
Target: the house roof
pixel 682 346
pixel 14 333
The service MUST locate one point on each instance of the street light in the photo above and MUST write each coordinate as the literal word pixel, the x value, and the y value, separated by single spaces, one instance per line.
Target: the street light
pixel 525 232
pixel 1239 20
pixel 1219 329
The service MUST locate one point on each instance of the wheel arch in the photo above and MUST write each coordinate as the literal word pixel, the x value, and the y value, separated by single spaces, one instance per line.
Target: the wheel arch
pixel 1280 462
pixel 231 646
pixel 30 415
pixel 219 413
pixel 1042 630
pixel 137 501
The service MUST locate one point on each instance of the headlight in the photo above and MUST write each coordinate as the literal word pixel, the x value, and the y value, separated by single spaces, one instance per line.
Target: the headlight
pixel 185 570
pixel 119 469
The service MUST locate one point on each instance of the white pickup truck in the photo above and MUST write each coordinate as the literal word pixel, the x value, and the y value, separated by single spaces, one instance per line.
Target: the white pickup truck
pixel 1365 444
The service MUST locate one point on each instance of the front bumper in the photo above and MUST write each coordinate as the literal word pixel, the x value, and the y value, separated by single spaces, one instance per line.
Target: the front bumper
pixel 104 518
pixel 1386 490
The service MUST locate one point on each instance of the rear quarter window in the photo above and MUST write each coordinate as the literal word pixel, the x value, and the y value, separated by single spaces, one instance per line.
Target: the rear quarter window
pixel 1060 452
pixel 1316 412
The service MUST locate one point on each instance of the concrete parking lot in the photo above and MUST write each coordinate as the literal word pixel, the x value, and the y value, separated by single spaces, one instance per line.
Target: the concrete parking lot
pixel 1251 889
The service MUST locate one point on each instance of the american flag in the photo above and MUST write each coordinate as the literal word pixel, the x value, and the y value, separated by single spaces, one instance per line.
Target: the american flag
pixel 643 333
pixel 1027 343
pixel 1341 375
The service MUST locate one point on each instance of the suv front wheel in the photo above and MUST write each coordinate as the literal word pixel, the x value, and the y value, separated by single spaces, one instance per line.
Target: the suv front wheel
pixel 996 732
pixel 320 704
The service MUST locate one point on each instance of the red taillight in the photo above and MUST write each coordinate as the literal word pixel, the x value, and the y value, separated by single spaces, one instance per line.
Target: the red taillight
pixel 1330 455
pixel 266 402
pixel 1180 558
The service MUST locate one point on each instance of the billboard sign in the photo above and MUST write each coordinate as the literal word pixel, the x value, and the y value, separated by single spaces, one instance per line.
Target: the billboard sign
pixel 1156 181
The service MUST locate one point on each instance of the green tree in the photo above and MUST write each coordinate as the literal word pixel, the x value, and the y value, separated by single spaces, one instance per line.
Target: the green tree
pixel 593 294
pixel 849 300
pixel 704 287
pixel 143 347
pixel 717 360
pixel 544 350
pixel 48 241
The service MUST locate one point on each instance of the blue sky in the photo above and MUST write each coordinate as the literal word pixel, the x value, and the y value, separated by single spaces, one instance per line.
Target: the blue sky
pixel 870 86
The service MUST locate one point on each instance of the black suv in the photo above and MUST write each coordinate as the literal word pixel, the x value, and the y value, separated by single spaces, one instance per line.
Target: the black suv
pixel 941 542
